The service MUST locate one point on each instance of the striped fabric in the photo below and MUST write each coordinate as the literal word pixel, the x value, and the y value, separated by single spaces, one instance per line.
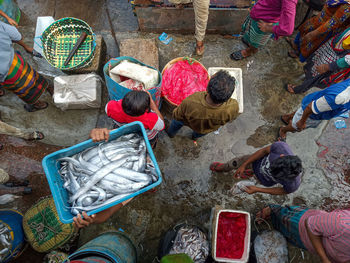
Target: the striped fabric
pixel 334 227
pixel 24 81
pixel 253 35
pixel 285 219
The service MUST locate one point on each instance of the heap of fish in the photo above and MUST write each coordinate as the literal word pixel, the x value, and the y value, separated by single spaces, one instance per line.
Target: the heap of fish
pixel 107 172
pixel 191 241
pixel 5 241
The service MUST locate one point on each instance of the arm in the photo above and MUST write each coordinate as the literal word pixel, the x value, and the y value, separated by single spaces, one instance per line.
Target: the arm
pixel 301 124
pixel 285 26
pixel 101 217
pixel 316 242
pixel 255 156
pixel 154 106
pixel 271 191
pixel 341 15
pixel 9 19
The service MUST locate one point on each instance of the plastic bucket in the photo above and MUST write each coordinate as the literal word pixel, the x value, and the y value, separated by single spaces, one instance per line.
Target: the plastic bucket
pixel 12 219
pixel 117 92
pixel 114 246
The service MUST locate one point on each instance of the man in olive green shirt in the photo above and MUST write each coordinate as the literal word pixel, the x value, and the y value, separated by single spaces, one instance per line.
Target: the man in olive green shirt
pixel 207 111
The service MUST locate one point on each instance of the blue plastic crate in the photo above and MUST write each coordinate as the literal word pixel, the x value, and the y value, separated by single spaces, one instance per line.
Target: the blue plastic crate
pixel 60 195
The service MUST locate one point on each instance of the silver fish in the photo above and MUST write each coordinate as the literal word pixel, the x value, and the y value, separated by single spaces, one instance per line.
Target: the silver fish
pixel 97 177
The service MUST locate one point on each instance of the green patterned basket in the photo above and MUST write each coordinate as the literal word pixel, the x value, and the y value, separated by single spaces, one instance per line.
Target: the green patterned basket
pixel 59 39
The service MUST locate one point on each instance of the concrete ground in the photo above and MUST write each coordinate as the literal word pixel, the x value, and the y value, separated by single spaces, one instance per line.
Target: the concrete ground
pixel 189 190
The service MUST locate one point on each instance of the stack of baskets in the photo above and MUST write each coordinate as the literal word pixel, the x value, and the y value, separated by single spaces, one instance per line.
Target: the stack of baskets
pixel 59 39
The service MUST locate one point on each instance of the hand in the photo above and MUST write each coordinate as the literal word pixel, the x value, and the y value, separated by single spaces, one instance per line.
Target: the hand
pixel 99 134
pixel 301 125
pixel 80 222
pixel 323 68
pixel 250 189
pixel 239 172
pixel 309 36
pixel 12 22
pixel 265 27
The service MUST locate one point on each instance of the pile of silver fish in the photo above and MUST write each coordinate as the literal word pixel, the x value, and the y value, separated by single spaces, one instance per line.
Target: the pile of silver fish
pixel 192 242
pixel 107 172
pixel 5 241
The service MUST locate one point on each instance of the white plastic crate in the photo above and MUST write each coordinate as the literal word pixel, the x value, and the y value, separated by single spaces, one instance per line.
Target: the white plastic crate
pixel 245 255
pixel 237 74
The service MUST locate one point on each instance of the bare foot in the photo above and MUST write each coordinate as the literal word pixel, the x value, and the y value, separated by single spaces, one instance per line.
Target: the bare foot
pixel 200 48
pixel 290 88
pixel 264 213
pixel 282 136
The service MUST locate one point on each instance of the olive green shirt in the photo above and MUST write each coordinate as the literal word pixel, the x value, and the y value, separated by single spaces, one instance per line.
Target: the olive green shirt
pixel 203 118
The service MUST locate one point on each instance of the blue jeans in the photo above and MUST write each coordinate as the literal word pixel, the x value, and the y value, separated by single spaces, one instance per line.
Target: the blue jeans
pixel 175 126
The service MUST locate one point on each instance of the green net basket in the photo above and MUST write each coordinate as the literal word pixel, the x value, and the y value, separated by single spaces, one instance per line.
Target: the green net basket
pixel 59 39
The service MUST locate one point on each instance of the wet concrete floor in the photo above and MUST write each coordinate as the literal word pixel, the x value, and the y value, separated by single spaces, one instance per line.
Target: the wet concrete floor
pixel 189 190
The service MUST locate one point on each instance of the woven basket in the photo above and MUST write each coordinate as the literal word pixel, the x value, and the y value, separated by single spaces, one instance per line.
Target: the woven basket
pixel 59 39
pixel 43 229
pixel 173 61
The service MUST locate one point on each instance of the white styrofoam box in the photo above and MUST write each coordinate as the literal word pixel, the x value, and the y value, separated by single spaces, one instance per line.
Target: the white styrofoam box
pixel 42 22
pixel 149 77
pixel 77 91
pixel 245 255
pixel 237 74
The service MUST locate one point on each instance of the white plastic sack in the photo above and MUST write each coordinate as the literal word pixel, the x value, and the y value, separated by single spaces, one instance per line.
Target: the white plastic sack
pixel 149 77
pixel 77 91
pixel 270 246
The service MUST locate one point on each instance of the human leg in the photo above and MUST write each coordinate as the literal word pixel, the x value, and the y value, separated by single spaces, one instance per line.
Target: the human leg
pixel 13 131
pixel 285 219
pixel 201 12
pixel 174 127
pixel 25 82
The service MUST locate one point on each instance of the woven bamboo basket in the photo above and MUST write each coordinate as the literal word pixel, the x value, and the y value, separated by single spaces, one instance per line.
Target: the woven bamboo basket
pixel 59 39
pixel 43 229
pixel 172 105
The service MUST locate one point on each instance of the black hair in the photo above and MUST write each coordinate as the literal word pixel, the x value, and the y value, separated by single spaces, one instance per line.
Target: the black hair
pixel 135 103
pixel 221 86
pixel 286 167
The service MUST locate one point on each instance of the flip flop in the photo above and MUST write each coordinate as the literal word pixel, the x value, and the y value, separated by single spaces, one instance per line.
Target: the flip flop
pixel 36 54
pixel 237 55
pixel 33 108
pixel 36 136
pixel 285 86
pixel 244 41
pixel 217 167
pixel 279 137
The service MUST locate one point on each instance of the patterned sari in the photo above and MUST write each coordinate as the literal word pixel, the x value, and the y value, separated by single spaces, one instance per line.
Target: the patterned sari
pixel 24 81
pixel 332 20
pixel 285 219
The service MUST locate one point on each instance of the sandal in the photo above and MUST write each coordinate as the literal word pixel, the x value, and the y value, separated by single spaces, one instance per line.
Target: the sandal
pixel 279 137
pixel 36 136
pixel 217 167
pixel 33 108
pixel 283 120
pixel 245 42
pixel 286 87
pixel 264 213
pixel 237 55
pixel 2 92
